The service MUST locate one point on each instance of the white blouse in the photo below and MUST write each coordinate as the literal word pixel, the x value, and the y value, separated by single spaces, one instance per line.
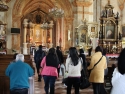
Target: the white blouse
pixel 118 83
pixel 73 71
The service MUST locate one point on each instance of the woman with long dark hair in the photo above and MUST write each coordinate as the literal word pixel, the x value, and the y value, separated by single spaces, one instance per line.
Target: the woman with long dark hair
pixel 118 79
pixel 73 67
pixel 49 66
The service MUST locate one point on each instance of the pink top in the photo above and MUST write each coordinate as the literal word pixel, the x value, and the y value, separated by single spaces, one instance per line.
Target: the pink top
pixel 48 70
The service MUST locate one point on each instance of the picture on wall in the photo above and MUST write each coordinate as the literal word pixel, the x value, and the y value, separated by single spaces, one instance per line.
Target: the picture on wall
pixel 92 29
pixel 110 32
pixel 83 36
pixel 123 31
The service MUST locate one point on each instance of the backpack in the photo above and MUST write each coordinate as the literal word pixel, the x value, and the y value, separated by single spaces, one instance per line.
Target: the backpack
pixel 39 56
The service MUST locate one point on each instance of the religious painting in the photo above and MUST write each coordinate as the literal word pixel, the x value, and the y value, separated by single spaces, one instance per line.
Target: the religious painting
pixel 83 36
pixel 110 32
pixel 123 31
pixel 93 29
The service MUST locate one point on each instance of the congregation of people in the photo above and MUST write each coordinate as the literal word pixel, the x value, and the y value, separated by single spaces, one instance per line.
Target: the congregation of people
pixel 49 65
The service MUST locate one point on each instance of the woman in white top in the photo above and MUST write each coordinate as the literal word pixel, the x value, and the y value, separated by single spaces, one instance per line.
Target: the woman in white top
pixel 118 79
pixel 73 67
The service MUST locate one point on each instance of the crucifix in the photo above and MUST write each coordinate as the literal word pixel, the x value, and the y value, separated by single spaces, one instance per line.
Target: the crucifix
pixel 108 2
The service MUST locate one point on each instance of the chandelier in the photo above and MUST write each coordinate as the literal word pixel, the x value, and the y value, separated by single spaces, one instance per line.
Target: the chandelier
pixel 3 6
pixel 56 12
pixel 46 25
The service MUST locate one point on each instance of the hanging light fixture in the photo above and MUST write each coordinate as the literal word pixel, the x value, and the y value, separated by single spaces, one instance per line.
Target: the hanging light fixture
pixel 46 25
pixel 3 6
pixel 56 12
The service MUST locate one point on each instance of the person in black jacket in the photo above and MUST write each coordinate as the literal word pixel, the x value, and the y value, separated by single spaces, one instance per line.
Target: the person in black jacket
pixel 60 57
pixel 82 55
pixel 39 54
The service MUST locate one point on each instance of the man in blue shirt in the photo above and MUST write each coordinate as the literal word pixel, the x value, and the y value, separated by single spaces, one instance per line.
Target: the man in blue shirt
pixel 19 73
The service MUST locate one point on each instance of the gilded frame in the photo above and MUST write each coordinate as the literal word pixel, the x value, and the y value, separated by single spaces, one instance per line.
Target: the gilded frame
pixel 123 31
pixel 110 30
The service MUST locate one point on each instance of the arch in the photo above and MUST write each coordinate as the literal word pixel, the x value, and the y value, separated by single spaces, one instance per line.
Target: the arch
pixel 22 7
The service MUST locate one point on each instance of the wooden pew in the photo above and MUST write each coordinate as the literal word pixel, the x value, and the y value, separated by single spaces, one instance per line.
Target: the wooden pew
pixel 11 56
pixel 4 80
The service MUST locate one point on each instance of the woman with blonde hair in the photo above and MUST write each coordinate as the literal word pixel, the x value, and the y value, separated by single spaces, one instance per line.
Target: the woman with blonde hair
pixel 98 65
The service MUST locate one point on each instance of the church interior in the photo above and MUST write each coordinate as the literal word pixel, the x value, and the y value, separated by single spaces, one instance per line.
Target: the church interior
pixel 26 24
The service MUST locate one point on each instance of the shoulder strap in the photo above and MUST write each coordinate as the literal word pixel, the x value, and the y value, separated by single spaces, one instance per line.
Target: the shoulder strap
pixel 97 63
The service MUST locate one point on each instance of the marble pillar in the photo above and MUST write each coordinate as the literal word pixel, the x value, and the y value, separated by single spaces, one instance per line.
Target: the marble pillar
pixel 50 30
pixel 30 36
pixel 94 42
pixel 62 31
pixel 96 10
pixel 24 36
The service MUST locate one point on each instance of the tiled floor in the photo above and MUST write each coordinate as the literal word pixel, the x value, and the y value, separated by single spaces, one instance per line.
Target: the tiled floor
pixel 59 88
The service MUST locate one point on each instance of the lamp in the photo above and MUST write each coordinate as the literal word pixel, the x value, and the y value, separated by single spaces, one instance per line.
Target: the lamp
pixel 56 12
pixel 3 6
pixel 46 25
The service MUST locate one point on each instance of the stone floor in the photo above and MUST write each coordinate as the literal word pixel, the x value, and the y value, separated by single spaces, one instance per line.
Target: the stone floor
pixel 59 87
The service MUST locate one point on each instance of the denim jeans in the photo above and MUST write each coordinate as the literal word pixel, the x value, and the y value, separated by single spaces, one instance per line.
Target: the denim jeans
pixel 19 91
pixel 73 81
pixel 49 82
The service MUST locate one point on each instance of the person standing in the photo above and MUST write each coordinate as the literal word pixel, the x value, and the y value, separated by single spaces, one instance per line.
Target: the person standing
pixel 118 77
pixel 48 70
pixel 107 61
pixel 61 60
pixel 19 73
pixel 82 55
pixel 14 58
pixel 39 54
pixel 97 73
pixel 73 67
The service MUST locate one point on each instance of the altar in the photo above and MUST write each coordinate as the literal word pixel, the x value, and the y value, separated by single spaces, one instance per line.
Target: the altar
pixel 112 55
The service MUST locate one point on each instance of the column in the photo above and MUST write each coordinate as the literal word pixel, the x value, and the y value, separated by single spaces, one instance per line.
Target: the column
pixel 46 37
pixel 96 10
pixel 62 31
pixel 30 36
pixel 50 30
pixel 57 33
pixel 24 36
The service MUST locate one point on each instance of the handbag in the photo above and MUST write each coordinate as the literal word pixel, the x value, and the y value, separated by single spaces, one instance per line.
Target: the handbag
pixel 65 79
pixel 89 71
pixel 84 80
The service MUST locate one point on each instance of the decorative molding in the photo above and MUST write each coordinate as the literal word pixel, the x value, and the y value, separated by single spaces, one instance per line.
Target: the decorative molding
pixel 121 4
pixel 82 3
pixel 85 12
pixel 7 1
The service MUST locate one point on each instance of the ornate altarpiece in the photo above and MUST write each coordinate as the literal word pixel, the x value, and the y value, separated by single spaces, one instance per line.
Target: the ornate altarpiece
pixel 81 35
pixel 109 37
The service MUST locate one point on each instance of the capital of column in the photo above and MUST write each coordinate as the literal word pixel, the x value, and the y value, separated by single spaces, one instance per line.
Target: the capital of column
pixel 51 24
pixel 31 25
pixel 25 23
